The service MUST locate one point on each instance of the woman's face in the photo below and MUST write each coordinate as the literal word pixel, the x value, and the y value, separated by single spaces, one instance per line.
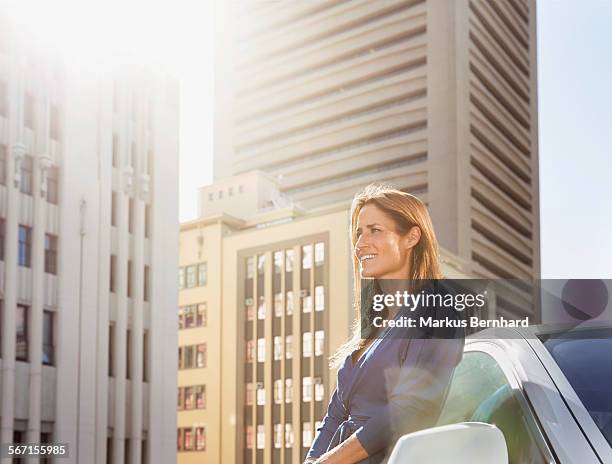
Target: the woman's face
pixel 382 252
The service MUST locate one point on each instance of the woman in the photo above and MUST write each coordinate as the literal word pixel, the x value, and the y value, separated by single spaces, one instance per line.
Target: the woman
pixel 388 383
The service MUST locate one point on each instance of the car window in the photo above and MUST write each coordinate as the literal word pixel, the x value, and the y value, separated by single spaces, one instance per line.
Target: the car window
pixel 480 392
pixel 585 357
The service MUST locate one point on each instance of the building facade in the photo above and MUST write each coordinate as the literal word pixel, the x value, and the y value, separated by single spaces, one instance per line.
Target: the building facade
pixel 266 300
pixel 88 194
pixel 437 97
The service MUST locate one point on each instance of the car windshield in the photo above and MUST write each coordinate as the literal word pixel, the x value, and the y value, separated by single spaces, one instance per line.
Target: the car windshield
pixel 585 357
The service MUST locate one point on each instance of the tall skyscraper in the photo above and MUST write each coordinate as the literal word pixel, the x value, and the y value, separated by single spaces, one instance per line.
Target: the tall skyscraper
pixel 438 97
pixel 88 195
pixel 265 300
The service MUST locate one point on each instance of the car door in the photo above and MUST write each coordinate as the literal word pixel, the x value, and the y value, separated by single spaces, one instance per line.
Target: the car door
pixel 480 391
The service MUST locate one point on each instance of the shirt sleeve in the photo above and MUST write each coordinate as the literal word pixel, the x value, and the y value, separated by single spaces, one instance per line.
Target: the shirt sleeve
pixel 416 400
pixel 336 414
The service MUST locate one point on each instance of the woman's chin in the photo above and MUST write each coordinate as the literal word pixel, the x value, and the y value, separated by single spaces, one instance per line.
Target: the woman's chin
pixel 367 273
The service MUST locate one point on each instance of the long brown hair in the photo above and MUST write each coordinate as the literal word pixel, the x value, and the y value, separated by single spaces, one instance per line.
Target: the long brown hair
pixel 407 211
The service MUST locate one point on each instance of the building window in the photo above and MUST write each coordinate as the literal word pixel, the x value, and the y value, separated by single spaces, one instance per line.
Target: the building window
pixel 278 348
pixel 146 285
pixel 240 189
pixel 288 436
pixel 278 304
pixel 147 221
pixel 307 344
pixel 51 254
pixel 278 262
pixel 249 308
pixel 230 191
pixel 113 208
pixel 318 389
pixel 278 391
pixel 189 398
pixel 145 356
pixel 261 436
pixel 54 122
pixel 111 350
pixel 201 316
pixel 261 308
pixel 306 389
pixel 249 394
pixel 289 347
pixel 289 260
pixel 261 350
pixel 220 194
pixel 28 111
pixel 3 154
pixel 21 326
pixel 261 264
pixel 113 273
pixel 115 150
pixel 250 267
pixel 306 435
pixel 319 298
pixel 201 355
pixel 131 215
pixel 25 245
pixel 2 234
pixel 288 390
pixel 188 439
pixel 129 279
pixel 202 274
pixel 319 342
pixel 188 357
pixel 52 185
pixel 188 317
pixel 289 303
pixel 128 355
pixel 319 253
pixel 191 276
pixel 200 396
pixel 250 351
pixel 249 437
pixel 47 349
pixel 278 435
pixel 25 186
pixel 200 439
pixel 306 301
pixel 181 277
pixel 181 401
pixel 261 394
pixel 210 197
pixel 306 256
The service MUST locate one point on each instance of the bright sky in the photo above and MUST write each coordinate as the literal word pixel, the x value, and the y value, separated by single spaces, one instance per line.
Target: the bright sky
pixel 575 104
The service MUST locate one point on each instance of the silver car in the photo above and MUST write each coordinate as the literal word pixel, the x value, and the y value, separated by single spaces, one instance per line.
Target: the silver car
pixel 545 393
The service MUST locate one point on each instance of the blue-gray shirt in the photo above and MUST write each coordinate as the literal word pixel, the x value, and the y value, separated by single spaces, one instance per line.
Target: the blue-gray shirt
pixel 396 387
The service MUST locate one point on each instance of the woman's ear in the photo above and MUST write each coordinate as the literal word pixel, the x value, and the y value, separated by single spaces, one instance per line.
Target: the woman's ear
pixel 413 236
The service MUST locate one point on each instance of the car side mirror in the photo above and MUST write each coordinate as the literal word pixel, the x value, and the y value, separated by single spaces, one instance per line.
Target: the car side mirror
pixel 464 443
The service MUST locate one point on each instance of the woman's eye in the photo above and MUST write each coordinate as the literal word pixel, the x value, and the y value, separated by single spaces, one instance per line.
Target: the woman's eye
pixel 375 230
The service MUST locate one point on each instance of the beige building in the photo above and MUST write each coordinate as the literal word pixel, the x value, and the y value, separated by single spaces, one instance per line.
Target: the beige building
pixel 265 300
pixel 436 96
pixel 88 193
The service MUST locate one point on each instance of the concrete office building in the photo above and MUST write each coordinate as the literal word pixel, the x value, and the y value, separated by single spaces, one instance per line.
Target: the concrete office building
pixel 436 96
pixel 265 300
pixel 88 194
